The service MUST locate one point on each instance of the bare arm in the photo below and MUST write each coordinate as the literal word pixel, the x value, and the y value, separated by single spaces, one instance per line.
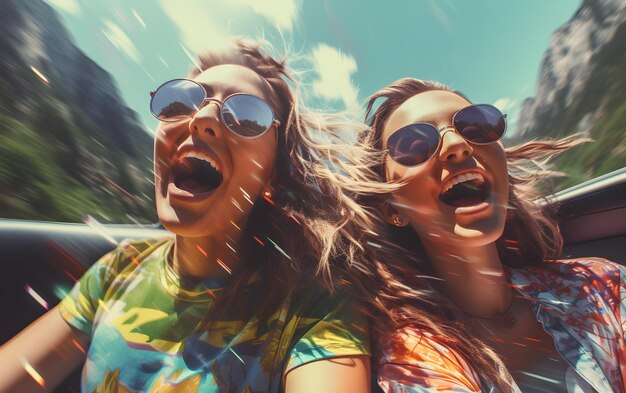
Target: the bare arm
pixel 50 346
pixel 337 375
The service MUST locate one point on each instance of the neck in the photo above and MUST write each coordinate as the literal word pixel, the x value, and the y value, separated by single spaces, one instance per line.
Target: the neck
pixel 206 257
pixel 473 278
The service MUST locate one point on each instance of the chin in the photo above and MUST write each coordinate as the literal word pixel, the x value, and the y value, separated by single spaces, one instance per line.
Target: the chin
pixel 174 225
pixel 186 229
pixel 479 234
pixel 177 223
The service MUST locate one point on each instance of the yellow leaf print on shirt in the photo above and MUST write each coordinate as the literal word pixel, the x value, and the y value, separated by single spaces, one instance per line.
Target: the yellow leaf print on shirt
pixel 224 333
pixel 82 310
pixel 331 335
pixel 189 385
pixel 136 317
pixel 110 383
pixel 268 356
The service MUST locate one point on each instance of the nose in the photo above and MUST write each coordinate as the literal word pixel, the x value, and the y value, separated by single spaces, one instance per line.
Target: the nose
pixel 453 147
pixel 207 121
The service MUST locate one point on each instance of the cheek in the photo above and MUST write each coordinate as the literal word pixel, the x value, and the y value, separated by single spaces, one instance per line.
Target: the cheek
pixel 500 170
pixel 256 160
pixel 417 198
pixel 403 174
pixel 416 203
pixel 164 144
pixel 160 152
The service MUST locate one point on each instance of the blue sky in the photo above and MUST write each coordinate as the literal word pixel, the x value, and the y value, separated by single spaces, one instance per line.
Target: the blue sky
pixel 490 50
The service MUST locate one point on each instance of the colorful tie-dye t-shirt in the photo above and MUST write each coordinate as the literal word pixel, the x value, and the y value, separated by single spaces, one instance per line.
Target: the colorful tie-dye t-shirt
pixel 148 335
pixel 581 303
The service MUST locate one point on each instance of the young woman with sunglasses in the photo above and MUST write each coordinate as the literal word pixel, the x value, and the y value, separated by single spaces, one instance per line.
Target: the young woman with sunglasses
pixel 228 304
pixel 487 304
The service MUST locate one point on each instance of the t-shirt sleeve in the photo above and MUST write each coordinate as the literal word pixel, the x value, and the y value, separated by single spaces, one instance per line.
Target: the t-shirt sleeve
pixel 412 362
pixel 341 331
pixel 78 308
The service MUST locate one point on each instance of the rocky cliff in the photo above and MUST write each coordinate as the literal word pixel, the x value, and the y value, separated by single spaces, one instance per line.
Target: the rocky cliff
pixel 582 88
pixel 86 151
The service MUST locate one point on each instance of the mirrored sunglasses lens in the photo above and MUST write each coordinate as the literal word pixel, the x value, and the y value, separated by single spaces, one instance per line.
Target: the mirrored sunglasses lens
pixel 176 100
pixel 414 144
pixel 247 115
pixel 480 123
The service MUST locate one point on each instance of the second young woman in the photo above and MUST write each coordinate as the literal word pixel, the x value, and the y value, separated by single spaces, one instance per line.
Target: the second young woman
pixel 489 306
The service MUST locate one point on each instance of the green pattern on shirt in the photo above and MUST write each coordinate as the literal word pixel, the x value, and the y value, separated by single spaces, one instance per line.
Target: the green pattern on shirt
pixel 145 324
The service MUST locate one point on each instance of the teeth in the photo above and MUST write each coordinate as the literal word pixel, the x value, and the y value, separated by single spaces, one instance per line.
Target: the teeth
pixel 200 156
pixel 460 179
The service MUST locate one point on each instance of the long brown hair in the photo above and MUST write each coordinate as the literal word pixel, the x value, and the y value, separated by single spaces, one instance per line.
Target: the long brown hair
pixel 530 236
pixel 311 227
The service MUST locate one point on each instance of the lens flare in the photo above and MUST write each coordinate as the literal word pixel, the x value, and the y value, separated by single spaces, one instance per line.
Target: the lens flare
pixel 223 265
pixel 33 373
pixel 39 74
pixel 36 296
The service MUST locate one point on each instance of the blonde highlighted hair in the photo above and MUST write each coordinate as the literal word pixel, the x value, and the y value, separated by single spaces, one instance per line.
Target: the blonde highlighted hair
pixel 312 227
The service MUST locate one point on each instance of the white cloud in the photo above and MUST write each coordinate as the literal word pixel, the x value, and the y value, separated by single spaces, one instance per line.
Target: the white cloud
pixel 281 13
pixel 70 6
pixel 441 15
pixel 208 24
pixel 116 35
pixel 334 69
pixel 504 103
pixel 201 28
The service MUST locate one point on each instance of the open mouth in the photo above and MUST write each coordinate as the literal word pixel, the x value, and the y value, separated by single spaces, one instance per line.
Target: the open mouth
pixel 197 173
pixel 467 189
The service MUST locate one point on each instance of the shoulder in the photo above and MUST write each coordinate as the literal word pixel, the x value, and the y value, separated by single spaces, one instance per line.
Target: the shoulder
pixel 421 359
pixel 314 300
pixel 324 326
pixel 120 262
pixel 581 282
pixel 413 346
pixel 322 316
pixel 79 307
pixel 589 266
pixel 597 272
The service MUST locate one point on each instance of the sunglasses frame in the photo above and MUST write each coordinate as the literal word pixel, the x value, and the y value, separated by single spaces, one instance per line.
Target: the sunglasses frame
pixel 440 136
pixel 207 99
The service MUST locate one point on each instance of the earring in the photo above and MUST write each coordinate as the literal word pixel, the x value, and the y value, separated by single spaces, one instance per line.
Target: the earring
pixel 397 221
pixel 267 194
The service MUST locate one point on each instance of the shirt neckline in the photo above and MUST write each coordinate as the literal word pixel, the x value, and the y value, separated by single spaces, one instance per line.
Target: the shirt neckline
pixel 184 288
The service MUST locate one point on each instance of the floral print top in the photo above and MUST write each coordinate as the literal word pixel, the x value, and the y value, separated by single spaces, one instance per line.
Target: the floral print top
pixel 581 303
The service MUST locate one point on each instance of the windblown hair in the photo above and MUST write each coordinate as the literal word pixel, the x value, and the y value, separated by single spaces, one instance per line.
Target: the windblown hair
pixel 312 226
pixel 530 236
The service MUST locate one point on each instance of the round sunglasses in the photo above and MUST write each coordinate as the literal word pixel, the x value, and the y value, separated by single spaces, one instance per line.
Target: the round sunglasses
pixel 417 143
pixel 244 114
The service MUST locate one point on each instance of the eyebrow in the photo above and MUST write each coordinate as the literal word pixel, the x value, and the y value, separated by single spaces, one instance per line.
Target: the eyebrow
pixel 228 91
pixel 209 89
pixel 431 121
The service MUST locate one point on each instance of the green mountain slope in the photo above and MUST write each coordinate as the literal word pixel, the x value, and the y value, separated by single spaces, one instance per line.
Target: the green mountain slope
pixel 68 146
pixel 582 88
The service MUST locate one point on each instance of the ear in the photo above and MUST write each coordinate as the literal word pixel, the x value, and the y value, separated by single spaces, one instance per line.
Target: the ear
pixel 391 214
